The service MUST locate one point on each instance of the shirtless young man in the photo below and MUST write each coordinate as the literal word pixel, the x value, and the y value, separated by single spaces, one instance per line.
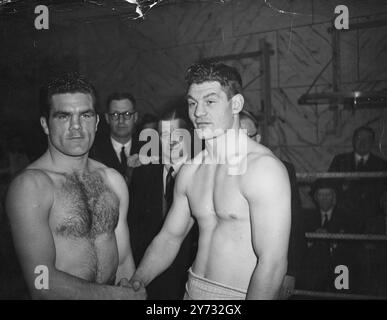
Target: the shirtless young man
pixel 244 220
pixel 68 212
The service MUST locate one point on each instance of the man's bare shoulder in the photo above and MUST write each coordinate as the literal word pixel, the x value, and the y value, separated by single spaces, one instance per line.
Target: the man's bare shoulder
pixel 30 191
pixel 95 165
pixel 258 156
pixel 263 168
pixel 31 178
pixel 109 175
pixel 103 170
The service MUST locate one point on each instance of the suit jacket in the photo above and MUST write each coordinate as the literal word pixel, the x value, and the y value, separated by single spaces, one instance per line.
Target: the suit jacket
pixel 336 224
pixel 145 220
pixel 145 217
pixel 374 258
pixel 324 255
pixel 361 196
pixel 297 241
pixel 345 162
pixel 103 151
pixel 376 225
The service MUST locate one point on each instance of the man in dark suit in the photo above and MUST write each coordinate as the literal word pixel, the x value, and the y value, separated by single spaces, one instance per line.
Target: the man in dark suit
pixel 324 255
pixel 327 217
pixel 360 196
pixel 297 241
pixel 151 196
pixel 115 150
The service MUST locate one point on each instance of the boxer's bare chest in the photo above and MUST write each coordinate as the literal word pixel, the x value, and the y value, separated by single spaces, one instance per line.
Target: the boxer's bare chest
pixel 215 193
pixel 84 206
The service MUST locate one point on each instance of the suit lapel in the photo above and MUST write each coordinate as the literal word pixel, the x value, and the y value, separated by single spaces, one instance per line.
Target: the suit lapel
pixel 110 156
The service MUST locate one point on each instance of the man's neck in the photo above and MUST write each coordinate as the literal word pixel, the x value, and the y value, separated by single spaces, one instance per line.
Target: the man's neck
pixel 122 140
pixel 67 164
pixel 226 146
pixel 362 155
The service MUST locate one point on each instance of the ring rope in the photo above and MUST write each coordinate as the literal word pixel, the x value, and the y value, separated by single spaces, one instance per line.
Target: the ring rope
pixel 353 175
pixel 319 294
pixel 345 236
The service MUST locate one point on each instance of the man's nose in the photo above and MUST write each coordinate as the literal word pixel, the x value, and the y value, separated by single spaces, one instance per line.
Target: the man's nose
pixel 121 118
pixel 75 123
pixel 200 110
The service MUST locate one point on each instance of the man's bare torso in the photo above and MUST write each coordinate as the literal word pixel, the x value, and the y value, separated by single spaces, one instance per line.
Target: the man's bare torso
pixel 225 252
pixel 82 219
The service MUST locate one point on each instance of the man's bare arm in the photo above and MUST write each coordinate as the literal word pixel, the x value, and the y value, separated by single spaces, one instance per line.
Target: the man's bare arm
pixel 28 204
pixel 267 190
pixel 126 266
pixel 165 246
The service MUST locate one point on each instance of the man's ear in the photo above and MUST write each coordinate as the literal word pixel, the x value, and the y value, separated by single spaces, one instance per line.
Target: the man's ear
pixel 135 117
pixel 96 124
pixel 237 103
pixel 107 118
pixel 44 124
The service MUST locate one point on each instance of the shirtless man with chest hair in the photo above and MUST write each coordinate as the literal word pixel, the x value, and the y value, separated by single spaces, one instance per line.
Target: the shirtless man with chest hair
pixel 68 212
pixel 243 219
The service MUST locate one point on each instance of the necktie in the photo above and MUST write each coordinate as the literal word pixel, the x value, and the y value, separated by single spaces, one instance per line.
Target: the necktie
pixel 169 185
pixel 124 160
pixel 360 164
pixel 325 221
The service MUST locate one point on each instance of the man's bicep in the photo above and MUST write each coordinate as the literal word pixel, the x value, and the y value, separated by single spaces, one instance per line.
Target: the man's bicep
pixel 179 221
pixel 28 211
pixel 122 231
pixel 270 211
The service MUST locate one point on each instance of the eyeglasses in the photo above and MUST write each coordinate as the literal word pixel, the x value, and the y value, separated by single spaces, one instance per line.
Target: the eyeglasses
pixel 116 115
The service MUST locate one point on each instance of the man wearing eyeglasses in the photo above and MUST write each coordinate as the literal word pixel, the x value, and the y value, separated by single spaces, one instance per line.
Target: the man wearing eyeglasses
pixel 115 150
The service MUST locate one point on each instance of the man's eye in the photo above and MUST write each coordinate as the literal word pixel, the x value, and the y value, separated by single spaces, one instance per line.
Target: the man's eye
pixel 62 116
pixel 191 104
pixel 210 101
pixel 87 115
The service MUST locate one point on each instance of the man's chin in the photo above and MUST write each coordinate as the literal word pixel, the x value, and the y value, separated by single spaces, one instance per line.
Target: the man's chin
pixel 205 133
pixel 76 152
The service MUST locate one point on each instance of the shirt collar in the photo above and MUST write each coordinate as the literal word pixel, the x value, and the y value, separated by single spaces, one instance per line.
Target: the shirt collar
pixel 175 166
pixel 118 146
pixel 329 213
pixel 358 157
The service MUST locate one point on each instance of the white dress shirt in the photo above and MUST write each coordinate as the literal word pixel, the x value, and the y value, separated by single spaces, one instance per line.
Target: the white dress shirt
pixel 327 214
pixel 118 146
pixel 359 157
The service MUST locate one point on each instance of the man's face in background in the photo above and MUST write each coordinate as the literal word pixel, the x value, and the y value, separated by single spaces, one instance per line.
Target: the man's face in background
pixel 121 118
pixel 175 140
pixel 362 142
pixel 325 198
pixel 252 131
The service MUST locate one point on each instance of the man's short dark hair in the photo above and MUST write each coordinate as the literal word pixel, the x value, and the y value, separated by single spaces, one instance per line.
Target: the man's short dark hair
pixel 228 77
pixel 120 96
pixel 364 128
pixel 71 82
pixel 173 114
pixel 325 183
